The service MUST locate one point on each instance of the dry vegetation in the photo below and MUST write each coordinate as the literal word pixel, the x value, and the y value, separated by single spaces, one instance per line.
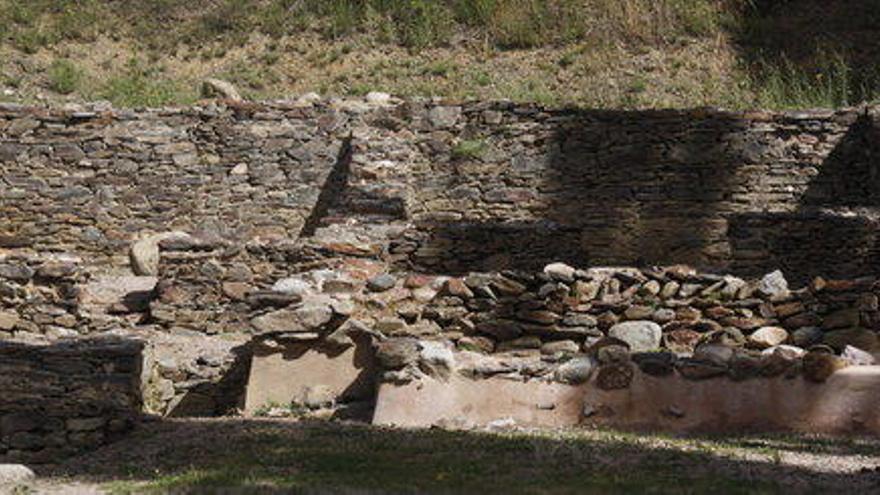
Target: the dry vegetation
pixel 596 53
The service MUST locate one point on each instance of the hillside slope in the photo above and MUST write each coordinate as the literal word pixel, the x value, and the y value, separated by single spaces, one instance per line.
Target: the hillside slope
pixel 595 53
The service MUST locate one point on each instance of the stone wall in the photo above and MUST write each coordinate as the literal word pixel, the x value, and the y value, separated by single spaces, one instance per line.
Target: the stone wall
pixel 59 399
pixel 90 182
pixel 524 187
pixel 482 186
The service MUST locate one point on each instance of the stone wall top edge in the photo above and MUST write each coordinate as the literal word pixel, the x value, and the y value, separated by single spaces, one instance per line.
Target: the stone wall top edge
pixel 208 108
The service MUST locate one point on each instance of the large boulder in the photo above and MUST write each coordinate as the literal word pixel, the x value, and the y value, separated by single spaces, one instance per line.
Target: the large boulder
pixel 14 474
pixel 641 335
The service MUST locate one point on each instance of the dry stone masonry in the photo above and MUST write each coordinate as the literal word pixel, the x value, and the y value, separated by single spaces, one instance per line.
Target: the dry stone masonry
pixel 296 255
pixel 58 399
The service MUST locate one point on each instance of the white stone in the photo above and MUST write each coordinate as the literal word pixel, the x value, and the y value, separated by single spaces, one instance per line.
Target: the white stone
pixel 788 352
pixel 293 285
pixel 641 335
pixel 560 271
pixel 144 253
pixel 857 357
pixel 218 88
pixel 14 474
pixel 768 337
pixel 437 357
pixel 773 284
pixel 378 98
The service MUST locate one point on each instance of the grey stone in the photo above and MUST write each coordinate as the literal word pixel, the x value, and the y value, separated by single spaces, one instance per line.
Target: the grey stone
pixel 560 347
pixel 381 283
pixel 217 88
pixel 444 116
pixel 773 284
pixel 806 336
pixel 579 320
pixel 714 353
pixel 640 335
pixel 308 317
pixel 16 272
pixel 575 371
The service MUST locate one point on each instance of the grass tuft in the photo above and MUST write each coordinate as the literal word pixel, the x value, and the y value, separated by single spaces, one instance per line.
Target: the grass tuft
pixel 64 76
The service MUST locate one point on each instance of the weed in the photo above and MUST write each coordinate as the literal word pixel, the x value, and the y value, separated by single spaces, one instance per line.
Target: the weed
pixel 64 76
pixel 469 149
pixel 141 86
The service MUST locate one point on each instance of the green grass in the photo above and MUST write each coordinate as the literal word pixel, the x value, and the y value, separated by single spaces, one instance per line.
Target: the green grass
pixel 140 85
pixel 64 76
pixel 469 149
pixel 326 457
pixel 830 83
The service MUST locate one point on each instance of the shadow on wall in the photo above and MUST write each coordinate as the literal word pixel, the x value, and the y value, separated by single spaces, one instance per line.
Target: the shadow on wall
pixel 834 231
pixel 604 187
pixel 221 397
pixel 716 190
pixel 66 397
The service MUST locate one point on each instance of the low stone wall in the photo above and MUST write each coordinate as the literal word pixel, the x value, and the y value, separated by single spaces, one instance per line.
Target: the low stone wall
pixel 846 404
pixel 63 398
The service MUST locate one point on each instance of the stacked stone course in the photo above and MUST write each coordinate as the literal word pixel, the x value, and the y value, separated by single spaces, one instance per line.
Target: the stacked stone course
pixel 59 399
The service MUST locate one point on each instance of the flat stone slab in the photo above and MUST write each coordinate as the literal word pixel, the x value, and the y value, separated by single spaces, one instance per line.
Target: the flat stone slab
pixel 849 402
pixel 112 292
pixel 280 376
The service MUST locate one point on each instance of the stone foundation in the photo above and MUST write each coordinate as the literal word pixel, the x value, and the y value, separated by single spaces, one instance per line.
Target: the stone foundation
pixel 846 404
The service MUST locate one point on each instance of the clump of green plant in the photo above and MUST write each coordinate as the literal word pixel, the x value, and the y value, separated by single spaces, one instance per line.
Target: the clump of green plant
pixel 139 85
pixel 469 149
pixel 64 76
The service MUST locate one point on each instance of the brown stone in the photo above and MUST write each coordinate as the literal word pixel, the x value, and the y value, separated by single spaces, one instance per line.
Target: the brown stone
pixel 614 376
pixel 681 341
pixel 818 366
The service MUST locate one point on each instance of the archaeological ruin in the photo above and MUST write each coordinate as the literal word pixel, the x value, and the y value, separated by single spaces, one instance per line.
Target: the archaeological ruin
pixel 427 262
